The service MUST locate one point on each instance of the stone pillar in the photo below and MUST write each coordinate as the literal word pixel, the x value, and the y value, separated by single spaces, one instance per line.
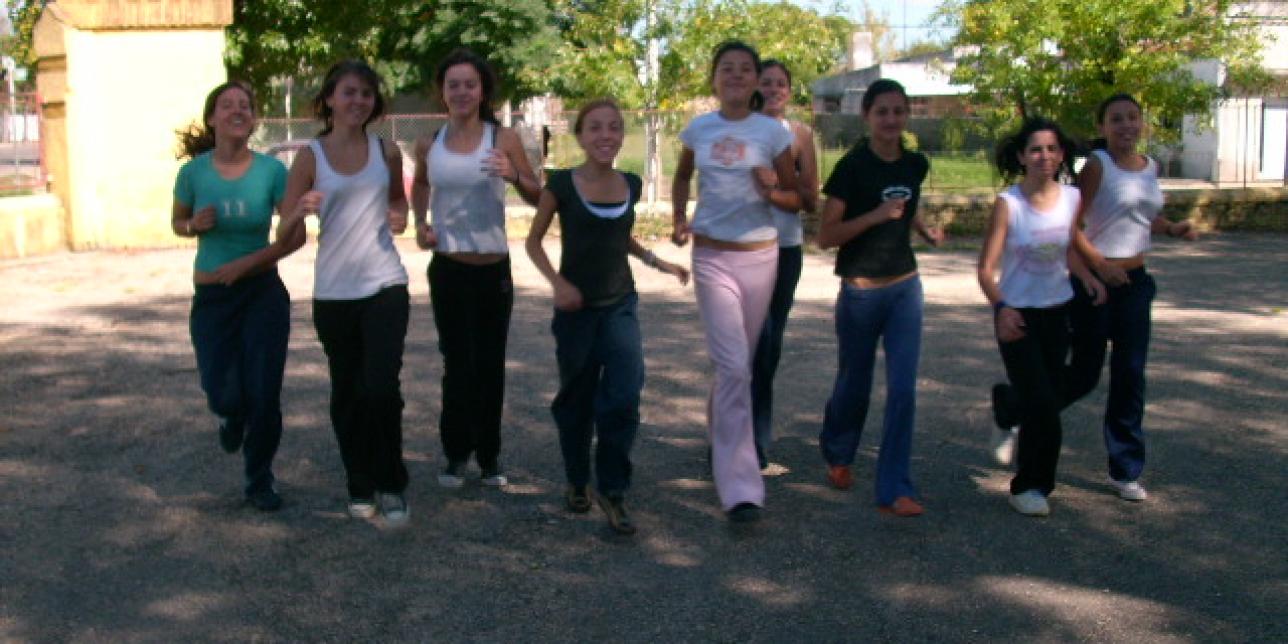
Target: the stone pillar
pixel 116 79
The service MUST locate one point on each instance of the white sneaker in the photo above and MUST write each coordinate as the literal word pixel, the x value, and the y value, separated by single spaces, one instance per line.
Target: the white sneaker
pixel 1130 490
pixel 453 476
pixel 362 508
pixel 492 477
pixel 775 469
pixel 395 509
pixel 1030 503
pixel 1002 445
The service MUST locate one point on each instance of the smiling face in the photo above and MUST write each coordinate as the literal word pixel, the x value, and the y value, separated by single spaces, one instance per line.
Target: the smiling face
pixel 233 115
pixel 352 102
pixel 1122 125
pixel 776 88
pixel 1042 154
pixel 887 117
pixel 462 90
pixel 735 78
pixel 601 134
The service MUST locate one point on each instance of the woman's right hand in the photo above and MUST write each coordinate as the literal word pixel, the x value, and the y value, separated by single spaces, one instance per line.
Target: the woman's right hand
pixel 1111 274
pixel 1008 324
pixel 202 220
pixel 889 210
pixel 426 238
pixel 567 296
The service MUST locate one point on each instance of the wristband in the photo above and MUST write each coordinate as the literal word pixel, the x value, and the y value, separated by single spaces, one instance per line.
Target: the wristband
pixel 997 308
pixel 650 259
pixel 187 225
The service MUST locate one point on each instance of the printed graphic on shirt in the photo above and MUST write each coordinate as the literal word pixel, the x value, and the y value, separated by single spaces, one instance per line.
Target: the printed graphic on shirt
pixel 230 208
pixel 728 151
pixel 896 192
pixel 1045 252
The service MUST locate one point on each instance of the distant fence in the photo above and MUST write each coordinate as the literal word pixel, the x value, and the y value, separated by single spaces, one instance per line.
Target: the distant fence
pixel 21 159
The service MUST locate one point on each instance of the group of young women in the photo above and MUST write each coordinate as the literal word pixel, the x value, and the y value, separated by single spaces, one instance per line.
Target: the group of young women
pixel 756 173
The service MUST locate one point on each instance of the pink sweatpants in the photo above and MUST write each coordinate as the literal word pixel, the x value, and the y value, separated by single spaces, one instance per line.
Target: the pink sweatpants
pixel 733 291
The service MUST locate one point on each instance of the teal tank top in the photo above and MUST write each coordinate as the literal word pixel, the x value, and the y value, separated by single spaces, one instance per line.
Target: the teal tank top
pixel 243 206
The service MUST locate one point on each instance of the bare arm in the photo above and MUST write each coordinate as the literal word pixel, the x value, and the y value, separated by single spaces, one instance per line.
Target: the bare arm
pixel 1008 324
pixel 420 191
pixel 519 172
pixel 397 213
pixel 784 196
pixel 634 247
pixel 833 231
pixel 546 205
pixel 808 183
pixel 680 198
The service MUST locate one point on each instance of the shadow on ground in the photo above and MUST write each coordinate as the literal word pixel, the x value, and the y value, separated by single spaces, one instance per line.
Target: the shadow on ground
pixel 124 521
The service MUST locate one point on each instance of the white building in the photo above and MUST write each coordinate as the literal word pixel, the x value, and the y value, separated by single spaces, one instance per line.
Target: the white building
pixel 1246 140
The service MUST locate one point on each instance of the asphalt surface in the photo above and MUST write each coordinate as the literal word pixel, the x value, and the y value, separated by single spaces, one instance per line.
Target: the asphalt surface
pixel 122 519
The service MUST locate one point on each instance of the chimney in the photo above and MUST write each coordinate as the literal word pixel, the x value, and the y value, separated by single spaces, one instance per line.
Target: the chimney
pixel 860 53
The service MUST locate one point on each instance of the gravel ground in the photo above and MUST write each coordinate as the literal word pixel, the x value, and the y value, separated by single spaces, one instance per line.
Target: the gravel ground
pixel 122 519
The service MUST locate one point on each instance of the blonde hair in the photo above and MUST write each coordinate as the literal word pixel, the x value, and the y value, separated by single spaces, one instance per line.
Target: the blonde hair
pixel 592 106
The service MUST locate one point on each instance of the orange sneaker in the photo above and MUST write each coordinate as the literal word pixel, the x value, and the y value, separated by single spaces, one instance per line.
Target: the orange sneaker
pixel 904 506
pixel 840 477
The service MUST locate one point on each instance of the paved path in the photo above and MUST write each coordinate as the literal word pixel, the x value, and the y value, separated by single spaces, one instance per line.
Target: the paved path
pixel 122 520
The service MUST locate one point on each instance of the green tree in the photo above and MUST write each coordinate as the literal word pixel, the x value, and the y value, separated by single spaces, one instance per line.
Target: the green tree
pixel 810 44
pixel 1060 58
pixel 23 17
pixel 604 48
pixel 404 39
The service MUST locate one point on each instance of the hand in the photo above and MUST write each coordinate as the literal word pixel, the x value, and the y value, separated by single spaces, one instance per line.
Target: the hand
pixel 765 180
pixel 309 204
pixel 425 236
pixel 1008 324
pixel 232 271
pixel 202 220
pixel 680 233
pixel 1096 290
pixel 889 210
pixel 935 236
pixel 681 273
pixel 1112 274
pixel 1183 230
pixel 567 297
pixel 497 164
pixel 397 220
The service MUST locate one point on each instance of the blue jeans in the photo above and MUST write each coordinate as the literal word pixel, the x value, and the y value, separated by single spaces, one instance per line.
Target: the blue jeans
pixel 893 314
pixel 1125 321
pixel 770 348
pixel 240 335
pixel 601 373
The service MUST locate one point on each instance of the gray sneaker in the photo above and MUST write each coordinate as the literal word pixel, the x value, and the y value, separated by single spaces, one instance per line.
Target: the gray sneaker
pixel 395 508
pixel 1129 490
pixel 362 508
pixel 1030 503
pixel 493 477
pixel 452 476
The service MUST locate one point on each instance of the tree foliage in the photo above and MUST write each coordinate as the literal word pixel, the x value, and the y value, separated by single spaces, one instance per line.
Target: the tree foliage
pixel 604 47
pixel 810 44
pixel 403 39
pixel 23 17
pixel 1060 58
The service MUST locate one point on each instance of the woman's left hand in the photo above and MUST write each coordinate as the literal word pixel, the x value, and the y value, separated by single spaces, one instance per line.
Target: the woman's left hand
pixel 935 236
pixel 1183 230
pixel 765 180
pixel 681 273
pixel 498 164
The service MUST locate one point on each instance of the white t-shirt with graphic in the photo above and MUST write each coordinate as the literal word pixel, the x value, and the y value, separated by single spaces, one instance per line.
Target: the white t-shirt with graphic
pixel 1035 268
pixel 724 153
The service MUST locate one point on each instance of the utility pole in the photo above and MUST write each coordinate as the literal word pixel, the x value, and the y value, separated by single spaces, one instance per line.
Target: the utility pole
pixel 652 160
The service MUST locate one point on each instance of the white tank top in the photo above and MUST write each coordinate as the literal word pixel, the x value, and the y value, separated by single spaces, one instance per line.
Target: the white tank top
pixel 790 231
pixel 356 253
pixel 467 205
pixel 1126 203
pixel 1035 268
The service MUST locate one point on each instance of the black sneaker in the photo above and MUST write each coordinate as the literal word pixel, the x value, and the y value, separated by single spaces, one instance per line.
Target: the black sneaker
pixel 266 500
pixel 231 433
pixel 614 508
pixel 744 513
pixel 1004 404
pixel 577 499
